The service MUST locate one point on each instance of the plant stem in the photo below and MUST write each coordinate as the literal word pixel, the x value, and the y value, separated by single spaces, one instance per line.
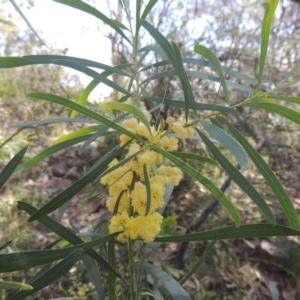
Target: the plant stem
pixel 135 51
pixel 132 281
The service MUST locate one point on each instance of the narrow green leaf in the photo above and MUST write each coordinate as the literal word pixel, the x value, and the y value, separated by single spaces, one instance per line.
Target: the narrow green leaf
pixel 100 77
pixel 241 181
pixel 197 74
pixel 198 106
pixel 94 275
pixel 148 190
pixel 205 63
pixel 212 58
pixel 77 133
pixel 290 99
pixel 116 208
pixel 203 180
pixel 18 9
pixel 66 234
pixel 10 262
pixel 241 87
pixel 161 40
pixel 93 84
pixel 5 245
pixel 84 7
pixel 52 150
pixel 148 8
pixel 11 167
pixel 173 53
pixel 200 261
pixel 232 232
pixel 193 156
pixel 127 107
pixel 71 62
pixel 228 142
pixel 12 285
pixel 282 196
pixel 158 50
pixel 85 111
pixel 165 282
pixel 71 191
pixel 270 8
pixel 68 61
pixel 274 108
pixel 84 95
pixel 51 275
pixel 53 121
pixel 104 130
pixel 185 83
pixel 111 276
pixel 138 7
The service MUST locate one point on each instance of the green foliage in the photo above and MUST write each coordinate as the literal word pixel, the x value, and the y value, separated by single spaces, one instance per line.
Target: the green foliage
pixel 225 143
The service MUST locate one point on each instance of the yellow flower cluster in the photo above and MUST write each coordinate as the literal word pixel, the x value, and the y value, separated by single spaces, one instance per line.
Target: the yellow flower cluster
pixel 135 214
pixel 182 131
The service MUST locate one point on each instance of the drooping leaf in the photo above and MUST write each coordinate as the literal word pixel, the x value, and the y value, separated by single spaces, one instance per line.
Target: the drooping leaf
pixel 11 167
pixel 94 275
pixel 84 95
pixel 203 180
pixel 101 132
pixel 68 61
pixel 196 157
pixel 212 58
pixel 100 77
pixel 165 282
pixel 200 261
pixel 290 99
pixel 111 276
pixel 197 74
pixel 185 83
pixel 10 262
pixel 71 62
pixel 85 111
pixel 270 8
pixel 52 150
pixel 205 63
pixel 282 196
pixel 274 108
pixel 198 106
pixel 53 121
pixel 173 53
pixel 71 191
pixel 54 273
pixel 242 182
pixel 232 232
pixel 98 169
pixel 18 9
pixel 5 245
pixel 161 40
pixel 67 234
pixel 13 285
pixel 127 107
pixel 77 134
pixel 85 7
pixel 228 142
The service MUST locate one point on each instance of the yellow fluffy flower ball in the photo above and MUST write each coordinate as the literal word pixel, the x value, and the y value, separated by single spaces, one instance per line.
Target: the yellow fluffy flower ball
pixel 126 184
pixel 144 227
pixel 182 130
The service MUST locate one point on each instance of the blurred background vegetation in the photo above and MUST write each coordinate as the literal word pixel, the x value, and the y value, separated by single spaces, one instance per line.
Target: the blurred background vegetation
pixel 255 269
